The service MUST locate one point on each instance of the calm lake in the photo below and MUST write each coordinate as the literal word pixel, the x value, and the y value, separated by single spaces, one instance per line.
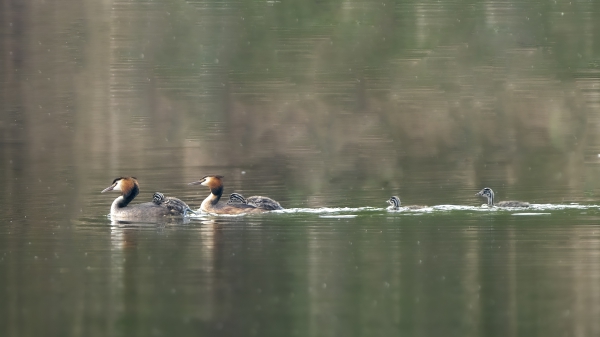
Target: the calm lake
pixel 330 107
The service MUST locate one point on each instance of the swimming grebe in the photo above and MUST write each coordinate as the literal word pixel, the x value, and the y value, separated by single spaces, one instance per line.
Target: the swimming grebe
pixel 212 205
pixel 256 201
pixel 394 202
pixel 489 194
pixel 159 207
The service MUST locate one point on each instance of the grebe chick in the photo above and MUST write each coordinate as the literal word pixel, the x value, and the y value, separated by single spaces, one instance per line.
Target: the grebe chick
pixel 129 188
pixel 175 205
pixel 212 205
pixel 489 194
pixel 256 201
pixel 394 202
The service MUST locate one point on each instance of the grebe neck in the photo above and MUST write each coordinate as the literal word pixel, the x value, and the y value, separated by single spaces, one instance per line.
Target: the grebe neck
pixel 490 198
pixel 213 198
pixel 215 194
pixel 126 197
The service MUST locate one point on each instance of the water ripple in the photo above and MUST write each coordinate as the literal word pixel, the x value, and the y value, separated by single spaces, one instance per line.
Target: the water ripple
pixel 337 212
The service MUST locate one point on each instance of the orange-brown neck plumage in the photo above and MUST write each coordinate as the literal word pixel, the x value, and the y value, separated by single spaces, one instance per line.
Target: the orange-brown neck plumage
pixel 129 189
pixel 216 186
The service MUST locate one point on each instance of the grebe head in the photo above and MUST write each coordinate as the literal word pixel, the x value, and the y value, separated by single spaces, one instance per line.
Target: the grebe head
pixel 236 198
pixel 129 188
pixel 213 182
pixel 487 193
pixel 210 181
pixel 394 202
pixel 158 198
pixel 125 185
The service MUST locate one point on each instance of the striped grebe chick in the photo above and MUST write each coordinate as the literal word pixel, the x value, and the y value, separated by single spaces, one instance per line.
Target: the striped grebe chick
pixel 130 188
pixel 212 205
pixel 256 201
pixel 489 194
pixel 175 205
pixel 395 204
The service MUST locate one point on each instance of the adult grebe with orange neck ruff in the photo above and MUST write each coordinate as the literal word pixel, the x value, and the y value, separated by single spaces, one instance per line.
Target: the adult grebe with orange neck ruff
pixel 212 205
pixel 130 188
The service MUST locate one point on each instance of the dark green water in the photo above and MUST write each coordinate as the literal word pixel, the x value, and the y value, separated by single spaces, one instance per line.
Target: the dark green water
pixel 455 273
pixel 316 104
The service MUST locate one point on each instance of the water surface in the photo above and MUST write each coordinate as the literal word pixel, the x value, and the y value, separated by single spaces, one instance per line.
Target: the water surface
pixel 330 107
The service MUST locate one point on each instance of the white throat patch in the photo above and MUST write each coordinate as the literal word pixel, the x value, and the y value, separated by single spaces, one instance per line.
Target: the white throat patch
pixel 118 185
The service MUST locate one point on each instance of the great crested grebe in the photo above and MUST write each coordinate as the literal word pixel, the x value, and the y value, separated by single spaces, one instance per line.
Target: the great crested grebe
pixel 159 207
pixel 489 194
pixel 394 202
pixel 256 201
pixel 212 205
